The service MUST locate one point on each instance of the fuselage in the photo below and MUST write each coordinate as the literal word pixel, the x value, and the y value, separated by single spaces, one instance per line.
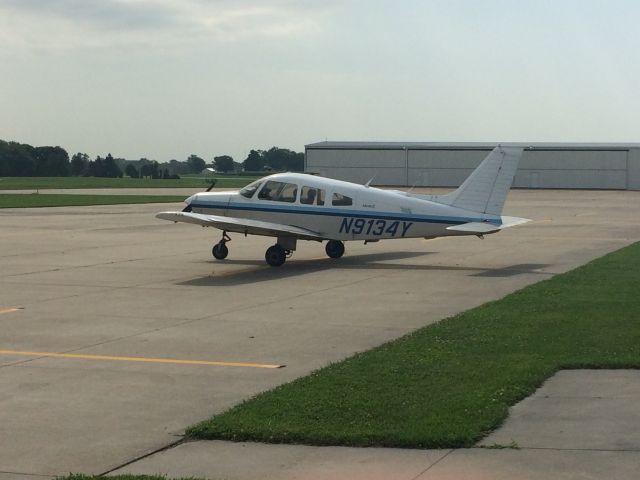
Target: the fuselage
pixel 337 210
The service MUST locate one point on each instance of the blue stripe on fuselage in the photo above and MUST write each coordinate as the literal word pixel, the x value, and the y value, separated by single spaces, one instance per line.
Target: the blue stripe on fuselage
pixel 335 212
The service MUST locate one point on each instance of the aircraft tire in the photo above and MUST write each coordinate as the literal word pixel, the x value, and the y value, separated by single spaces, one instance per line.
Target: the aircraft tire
pixel 275 255
pixel 334 248
pixel 220 251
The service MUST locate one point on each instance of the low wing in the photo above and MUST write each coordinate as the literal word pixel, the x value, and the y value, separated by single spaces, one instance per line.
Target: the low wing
pixel 241 225
pixel 482 228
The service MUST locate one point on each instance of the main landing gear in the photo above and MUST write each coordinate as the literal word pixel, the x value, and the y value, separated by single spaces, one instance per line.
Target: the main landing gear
pixel 220 249
pixel 334 248
pixel 277 254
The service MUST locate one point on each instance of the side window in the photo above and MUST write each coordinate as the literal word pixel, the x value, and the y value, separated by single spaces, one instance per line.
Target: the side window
pixel 312 196
pixel 279 192
pixel 341 200
pixel 288 193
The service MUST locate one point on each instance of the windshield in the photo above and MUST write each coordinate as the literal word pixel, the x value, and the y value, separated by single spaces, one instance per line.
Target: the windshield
pixel 250 189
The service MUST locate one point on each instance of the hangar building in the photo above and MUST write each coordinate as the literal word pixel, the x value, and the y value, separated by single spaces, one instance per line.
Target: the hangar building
pixel 543 165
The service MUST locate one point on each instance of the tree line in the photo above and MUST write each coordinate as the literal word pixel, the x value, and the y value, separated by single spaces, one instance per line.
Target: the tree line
pixel 23 160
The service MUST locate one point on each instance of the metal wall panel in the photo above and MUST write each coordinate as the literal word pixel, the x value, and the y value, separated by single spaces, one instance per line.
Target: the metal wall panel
pixel 556 178
pixel 356 158
pixel 574 160
pixel 559 166
pixel 381 176
pixel 633 169
pixel 446 158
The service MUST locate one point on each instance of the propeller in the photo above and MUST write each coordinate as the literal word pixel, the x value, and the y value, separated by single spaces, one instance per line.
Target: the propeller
pixel 213 182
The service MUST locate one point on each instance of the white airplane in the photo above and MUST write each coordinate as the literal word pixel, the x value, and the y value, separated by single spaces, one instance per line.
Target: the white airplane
pixel 296 206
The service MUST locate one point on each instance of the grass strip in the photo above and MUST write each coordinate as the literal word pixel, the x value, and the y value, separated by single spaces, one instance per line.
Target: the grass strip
pixel 79 476
pixel 32 183
pixel 28 200
pixel 451 383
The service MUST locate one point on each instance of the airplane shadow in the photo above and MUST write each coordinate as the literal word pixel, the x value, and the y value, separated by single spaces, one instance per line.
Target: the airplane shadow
pixel 369 261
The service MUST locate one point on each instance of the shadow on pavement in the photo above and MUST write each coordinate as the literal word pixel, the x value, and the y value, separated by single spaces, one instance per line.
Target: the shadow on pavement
pixel 260 272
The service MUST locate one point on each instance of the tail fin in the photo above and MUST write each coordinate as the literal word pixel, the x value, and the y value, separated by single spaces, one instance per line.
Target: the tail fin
pixel 485 190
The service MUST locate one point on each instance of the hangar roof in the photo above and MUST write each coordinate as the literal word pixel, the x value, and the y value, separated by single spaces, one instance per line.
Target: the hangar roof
pixel 467 145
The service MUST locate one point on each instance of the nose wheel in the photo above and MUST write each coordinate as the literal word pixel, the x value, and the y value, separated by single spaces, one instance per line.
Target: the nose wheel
pixel 334 248
pixel 220 249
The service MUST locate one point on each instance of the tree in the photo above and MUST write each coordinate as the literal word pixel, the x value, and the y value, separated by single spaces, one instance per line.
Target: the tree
pixel 149 169
pixel 284 159
pixel 223 163
pixel 111 168
pixel 17 160
pixel 132 171
pixel 195 164
pixel 96 168
pixel 79 164
pixel 254 161
pixel 51 161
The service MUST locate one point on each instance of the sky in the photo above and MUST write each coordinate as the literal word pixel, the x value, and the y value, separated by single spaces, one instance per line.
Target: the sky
pixel 163 79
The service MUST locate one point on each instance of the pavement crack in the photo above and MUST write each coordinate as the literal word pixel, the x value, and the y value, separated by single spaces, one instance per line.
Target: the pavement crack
pixel 433 464
pixel 44 475
pixel 142 457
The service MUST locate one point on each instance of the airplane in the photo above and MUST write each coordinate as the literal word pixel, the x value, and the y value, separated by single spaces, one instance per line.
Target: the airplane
pixel 298 206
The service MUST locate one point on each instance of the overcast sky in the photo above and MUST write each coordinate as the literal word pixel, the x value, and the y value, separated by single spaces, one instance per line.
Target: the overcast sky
pixel 166 78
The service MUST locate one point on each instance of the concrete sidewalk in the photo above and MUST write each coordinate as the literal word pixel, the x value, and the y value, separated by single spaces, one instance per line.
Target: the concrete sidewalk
pixel 581 424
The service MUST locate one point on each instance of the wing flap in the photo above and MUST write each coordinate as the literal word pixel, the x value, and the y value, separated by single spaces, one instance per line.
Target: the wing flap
pixel 241 225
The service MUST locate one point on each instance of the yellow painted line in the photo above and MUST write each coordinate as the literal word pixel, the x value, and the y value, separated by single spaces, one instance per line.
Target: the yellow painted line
pixel 136 359
pixel 8 310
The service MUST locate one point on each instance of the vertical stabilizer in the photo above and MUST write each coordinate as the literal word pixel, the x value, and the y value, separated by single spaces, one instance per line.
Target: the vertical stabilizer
pixel 485 190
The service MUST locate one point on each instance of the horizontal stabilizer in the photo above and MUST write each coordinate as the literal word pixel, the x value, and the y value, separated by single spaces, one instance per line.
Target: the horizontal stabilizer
pixel 512 221
pixel 480 228
pixel 475 227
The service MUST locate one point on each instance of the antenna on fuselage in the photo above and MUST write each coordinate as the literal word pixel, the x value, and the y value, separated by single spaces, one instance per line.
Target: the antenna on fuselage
pixel 408 192
pixel 368 184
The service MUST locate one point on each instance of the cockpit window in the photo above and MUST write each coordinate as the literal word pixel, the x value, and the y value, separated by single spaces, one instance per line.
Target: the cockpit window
pixel 341 200
pixel 279 191
pixel 250 189
pixel 312 196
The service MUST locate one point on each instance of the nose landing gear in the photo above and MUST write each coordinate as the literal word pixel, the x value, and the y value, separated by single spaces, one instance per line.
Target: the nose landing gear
pixel 220 249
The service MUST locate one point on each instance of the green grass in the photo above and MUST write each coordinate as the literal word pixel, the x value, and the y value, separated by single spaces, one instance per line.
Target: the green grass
pixel 31 183
pixel 449 384
pixel 78 476
pixel 27 200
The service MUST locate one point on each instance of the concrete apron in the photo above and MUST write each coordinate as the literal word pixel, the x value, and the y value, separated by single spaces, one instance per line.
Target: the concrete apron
pixel 581 424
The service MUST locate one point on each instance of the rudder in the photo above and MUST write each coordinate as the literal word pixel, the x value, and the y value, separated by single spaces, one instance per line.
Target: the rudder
pixel 486 189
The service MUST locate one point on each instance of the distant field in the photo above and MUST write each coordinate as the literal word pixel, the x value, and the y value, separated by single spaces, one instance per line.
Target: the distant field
pixel 32 183
pixel 128 476
pixel 27 200
pixel 449 384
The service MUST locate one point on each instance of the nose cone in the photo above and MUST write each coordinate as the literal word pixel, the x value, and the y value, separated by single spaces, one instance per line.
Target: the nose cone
pixel 188 201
